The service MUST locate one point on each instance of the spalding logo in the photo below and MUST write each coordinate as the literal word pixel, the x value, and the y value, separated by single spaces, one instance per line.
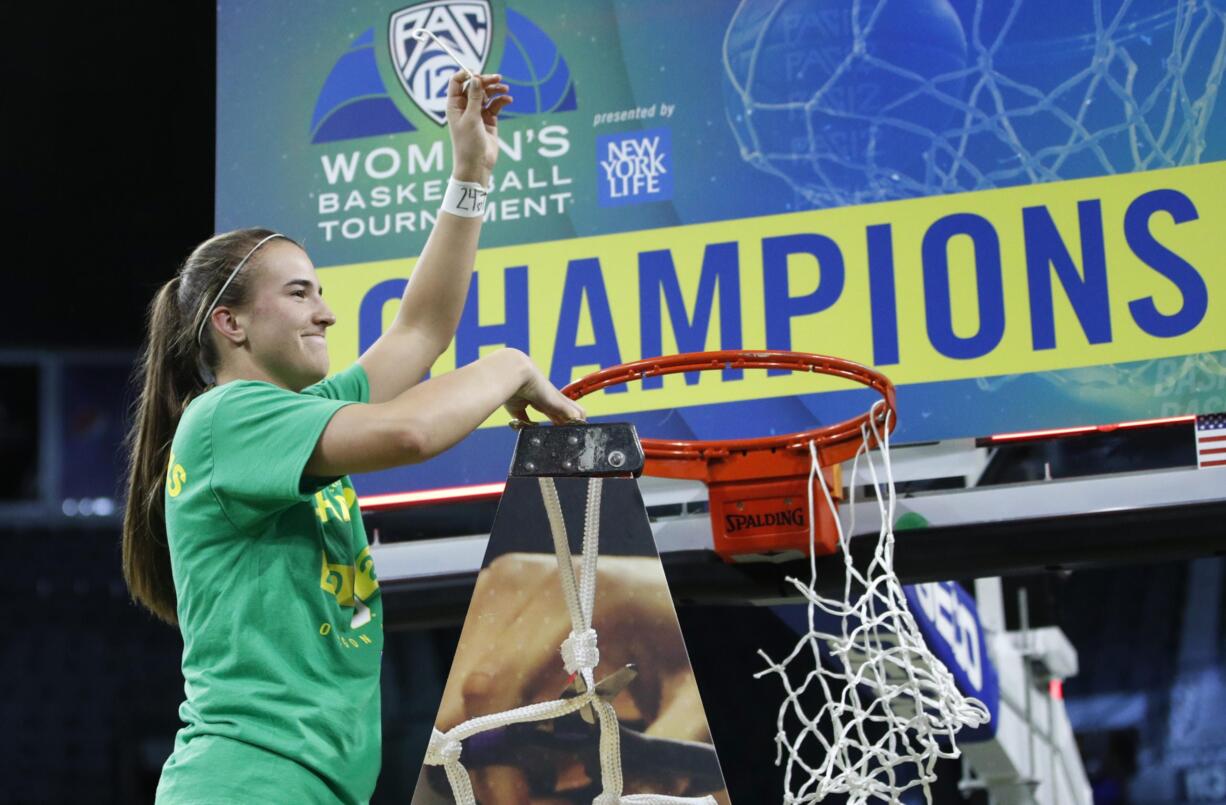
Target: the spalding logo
pixel 739 522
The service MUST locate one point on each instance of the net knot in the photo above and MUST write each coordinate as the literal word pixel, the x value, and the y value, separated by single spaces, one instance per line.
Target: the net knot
pixel 579 651
pixel 442 750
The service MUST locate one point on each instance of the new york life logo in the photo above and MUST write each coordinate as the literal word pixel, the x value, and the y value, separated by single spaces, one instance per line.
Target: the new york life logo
pixel 634 167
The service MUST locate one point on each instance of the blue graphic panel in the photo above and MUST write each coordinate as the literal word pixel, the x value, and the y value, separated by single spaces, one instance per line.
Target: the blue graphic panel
pixel 534 70
pixel 353 102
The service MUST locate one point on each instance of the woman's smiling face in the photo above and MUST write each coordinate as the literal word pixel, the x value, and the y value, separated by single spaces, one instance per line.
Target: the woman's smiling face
pixel 287 317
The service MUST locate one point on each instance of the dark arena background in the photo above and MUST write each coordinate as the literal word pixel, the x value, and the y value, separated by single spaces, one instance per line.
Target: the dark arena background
pixel 135 131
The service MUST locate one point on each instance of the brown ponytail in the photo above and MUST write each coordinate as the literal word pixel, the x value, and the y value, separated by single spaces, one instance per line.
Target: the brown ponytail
pixel 170 373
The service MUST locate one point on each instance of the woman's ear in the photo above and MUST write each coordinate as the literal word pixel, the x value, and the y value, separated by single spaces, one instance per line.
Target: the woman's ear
pixel 226 321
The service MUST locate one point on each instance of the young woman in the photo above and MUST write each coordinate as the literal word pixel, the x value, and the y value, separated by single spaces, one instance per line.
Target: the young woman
pixel 241 523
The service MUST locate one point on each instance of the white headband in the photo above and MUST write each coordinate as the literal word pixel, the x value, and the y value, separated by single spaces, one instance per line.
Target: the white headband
pixel 233 274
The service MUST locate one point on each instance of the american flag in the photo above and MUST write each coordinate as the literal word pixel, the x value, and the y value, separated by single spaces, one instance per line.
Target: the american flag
pixel 1211 440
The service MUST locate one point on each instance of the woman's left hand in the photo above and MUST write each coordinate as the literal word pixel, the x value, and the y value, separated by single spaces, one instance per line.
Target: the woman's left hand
pixel 472 118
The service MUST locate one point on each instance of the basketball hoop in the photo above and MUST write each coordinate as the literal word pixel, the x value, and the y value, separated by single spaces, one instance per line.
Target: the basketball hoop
pixel 865 659
pixel 758 486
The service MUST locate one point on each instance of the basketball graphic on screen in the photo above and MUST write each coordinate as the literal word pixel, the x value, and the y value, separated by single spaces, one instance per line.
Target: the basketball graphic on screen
pixel 853 102
pixel 353 101
pixel 1115 87
pixel 840 97
pixel 534 69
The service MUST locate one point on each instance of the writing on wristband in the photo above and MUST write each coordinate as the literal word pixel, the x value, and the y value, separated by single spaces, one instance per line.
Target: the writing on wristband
pixel 465 199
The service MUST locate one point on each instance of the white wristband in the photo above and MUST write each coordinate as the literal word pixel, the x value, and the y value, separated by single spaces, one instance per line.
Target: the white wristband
pixel 465 199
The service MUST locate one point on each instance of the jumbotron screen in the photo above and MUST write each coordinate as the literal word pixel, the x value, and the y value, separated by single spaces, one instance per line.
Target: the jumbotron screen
pixel 1021 224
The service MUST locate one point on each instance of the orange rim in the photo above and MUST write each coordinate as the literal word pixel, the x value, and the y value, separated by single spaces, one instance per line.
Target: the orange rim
pixel 838 442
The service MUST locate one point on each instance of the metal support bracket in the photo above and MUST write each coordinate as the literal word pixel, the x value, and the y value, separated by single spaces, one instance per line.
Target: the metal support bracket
pixel 589 450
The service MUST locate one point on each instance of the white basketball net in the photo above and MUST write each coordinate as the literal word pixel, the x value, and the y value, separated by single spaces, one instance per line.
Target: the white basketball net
pixel 579 655
pixel 872 720
pixel 1111 111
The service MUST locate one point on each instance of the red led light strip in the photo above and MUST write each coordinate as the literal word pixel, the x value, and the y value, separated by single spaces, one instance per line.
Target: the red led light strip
pixel 460 494
pixel 454 494
pixel 1054 433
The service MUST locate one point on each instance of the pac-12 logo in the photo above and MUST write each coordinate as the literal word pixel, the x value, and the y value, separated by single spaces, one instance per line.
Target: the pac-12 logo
pixel 354 100
pixel 422 66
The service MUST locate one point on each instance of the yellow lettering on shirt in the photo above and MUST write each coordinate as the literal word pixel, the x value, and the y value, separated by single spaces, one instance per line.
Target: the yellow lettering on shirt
pixel 344 508
pixel 352 586
pixel 364 579
pixel 337 580
pixel 176 477
pixel 334 502
pixel 323 506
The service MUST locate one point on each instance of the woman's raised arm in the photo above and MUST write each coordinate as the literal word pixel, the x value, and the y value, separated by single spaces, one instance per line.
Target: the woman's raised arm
pixel 434 298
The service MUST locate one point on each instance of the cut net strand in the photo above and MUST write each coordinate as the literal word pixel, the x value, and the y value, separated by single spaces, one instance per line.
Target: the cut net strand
pixel 580 657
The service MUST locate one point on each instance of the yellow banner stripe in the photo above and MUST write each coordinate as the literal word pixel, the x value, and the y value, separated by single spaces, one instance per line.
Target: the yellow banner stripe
pixel 1143 278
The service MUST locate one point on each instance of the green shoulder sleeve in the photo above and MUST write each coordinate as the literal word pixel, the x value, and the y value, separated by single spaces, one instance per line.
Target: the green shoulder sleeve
pixel 262 437
pixel 351 384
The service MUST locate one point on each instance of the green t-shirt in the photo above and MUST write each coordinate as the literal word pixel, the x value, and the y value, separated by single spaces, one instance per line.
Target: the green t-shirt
pixel 278 603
